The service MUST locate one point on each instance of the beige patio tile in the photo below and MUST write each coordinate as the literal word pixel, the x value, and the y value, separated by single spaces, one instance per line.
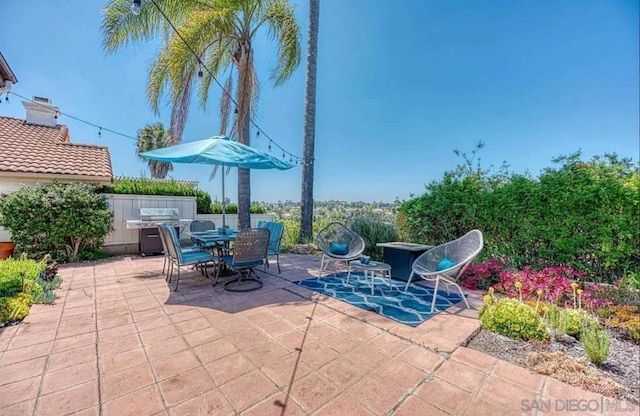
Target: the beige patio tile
pixel 265 352
pixel 400 374
pixel 316 354
pixel 248 389
pixel 413 406
pixel 68 377
pixel 119 362
pixel 148 314
pixel 167 347
pixel 210 403
pixel 26 353
pixel 185 386
pixel 313 391
pixel 80 319
pixel 156 335
pixel 72 330
pixel 68 401
pixel 190 313
pixel 276 328
pixel 116 346
pixel 275 405
pixel 421 358
pixel 22 370
pixel 229 367
pixel 294 340
pixel 110 321
pixel 117 332
pixel 117 384
pixel 389 344
pixel 376 394
pixel 247 338
pixel 145 402
pixel 203 336
pixel 341 341
pixel 343 372
pixel 436 342
pixel 344 404
pixel 65 344
pixel 518 375
pixel 285 369
pixel 174 364
pixel 153 323
pixel 444 396
pixel 558 390
pixel 19 409
pixel 505 394
pixel 485 407
pixel 21 341
pixel 475 359
pixel 461 376
pixel 214 350
pixel 192 325
pixel 19 391
pixel 261 317
pixel 367 356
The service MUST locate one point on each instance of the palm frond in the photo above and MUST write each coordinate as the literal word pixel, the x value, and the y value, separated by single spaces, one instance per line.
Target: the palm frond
pixel 284 28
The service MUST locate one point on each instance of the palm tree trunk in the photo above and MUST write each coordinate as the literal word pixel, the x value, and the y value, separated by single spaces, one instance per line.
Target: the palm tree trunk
pixel 244 95
pixel 306 221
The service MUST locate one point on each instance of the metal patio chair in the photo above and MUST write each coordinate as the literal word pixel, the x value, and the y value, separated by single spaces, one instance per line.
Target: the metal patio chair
pixel 249 251
pixel 338 243
pixel 276 229
pixel 447 262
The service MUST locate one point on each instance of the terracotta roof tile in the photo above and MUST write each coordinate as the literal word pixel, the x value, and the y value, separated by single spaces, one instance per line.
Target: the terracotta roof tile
pixel 28 148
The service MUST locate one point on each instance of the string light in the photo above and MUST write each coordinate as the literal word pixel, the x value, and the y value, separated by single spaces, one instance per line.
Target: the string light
pixel 269 145
pixel 136 7
pixel 100 132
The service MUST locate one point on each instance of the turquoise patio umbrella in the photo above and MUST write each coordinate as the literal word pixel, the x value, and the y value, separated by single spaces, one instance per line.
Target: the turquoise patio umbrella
pixel 218 150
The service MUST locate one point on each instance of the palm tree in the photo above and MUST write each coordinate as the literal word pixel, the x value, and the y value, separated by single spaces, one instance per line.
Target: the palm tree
pixel 306 218
pixel 221 33
pixel 151 137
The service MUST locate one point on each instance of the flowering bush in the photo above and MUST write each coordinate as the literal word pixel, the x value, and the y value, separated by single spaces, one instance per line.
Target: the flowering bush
pixel 483 275
pixel 557 284
pixel 511 318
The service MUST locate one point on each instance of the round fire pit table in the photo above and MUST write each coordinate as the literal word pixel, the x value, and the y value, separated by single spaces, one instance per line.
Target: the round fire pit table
pixel 370 269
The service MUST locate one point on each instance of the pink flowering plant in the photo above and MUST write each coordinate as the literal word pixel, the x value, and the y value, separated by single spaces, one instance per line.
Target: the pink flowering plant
pixel 481 276
pixel 557 285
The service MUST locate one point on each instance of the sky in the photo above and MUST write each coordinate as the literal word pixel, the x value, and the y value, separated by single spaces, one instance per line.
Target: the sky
pixel 401 84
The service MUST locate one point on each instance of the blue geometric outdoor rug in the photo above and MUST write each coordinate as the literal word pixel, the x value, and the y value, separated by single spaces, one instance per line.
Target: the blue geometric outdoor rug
pixel 410 308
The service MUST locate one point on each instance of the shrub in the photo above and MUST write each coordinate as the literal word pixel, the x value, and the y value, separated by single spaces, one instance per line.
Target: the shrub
pixel 568 320
pixel 595 342
pixel 511 318
pixel 60 219
pixel 216 208
pixel 145 186
pixel 374 232
pixel 16 273
pixel 14 308
pixel 579 214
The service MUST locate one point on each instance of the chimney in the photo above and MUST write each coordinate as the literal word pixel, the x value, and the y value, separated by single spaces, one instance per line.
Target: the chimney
pixel 41 112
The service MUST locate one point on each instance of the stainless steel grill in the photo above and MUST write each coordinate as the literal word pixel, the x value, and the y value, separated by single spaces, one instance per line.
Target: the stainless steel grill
pixel 157 215
pixel 149 236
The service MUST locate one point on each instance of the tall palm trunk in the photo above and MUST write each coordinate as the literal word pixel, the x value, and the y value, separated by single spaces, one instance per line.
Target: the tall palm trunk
pixel 244 97
pixel 306 222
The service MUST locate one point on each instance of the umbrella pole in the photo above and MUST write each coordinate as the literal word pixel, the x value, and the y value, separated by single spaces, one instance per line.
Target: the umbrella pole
pixel 224 202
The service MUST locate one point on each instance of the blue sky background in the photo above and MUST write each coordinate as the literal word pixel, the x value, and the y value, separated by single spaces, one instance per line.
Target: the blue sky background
pixel 401 84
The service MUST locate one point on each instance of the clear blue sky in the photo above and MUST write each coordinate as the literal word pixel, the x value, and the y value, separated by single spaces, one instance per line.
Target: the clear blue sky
pixel 400 85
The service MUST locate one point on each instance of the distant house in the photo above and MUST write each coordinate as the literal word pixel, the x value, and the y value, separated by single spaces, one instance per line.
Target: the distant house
pixel 38 149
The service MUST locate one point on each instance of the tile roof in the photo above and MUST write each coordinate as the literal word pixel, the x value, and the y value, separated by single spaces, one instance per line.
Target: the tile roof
pixel 29 148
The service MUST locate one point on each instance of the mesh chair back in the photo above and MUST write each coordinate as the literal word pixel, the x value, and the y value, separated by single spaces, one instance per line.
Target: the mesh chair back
pixel 461 251
pixel 165 247
pixel 199 225
pixel 338 233
pixel 276 229
pixel 250 246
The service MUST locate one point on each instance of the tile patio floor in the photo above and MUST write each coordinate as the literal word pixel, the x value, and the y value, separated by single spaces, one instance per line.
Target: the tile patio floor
pixel 119 342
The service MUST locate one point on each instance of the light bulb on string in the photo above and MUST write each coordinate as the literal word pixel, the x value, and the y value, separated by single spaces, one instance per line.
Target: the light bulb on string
pixel 100 132
pixel 136 7
pixel 257 134
pixel 269 145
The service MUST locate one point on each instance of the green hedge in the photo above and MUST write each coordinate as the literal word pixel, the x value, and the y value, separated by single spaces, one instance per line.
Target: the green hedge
pixel 145 186
pixel 581 214
pixel 216 208
pixel 56 219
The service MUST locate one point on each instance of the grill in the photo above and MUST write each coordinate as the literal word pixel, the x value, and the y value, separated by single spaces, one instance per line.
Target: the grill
pixel 149 236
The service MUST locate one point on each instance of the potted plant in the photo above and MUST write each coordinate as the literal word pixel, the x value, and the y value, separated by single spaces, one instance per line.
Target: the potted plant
pixel 6 249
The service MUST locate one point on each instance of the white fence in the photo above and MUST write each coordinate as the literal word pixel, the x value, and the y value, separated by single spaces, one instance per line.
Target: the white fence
pixel 127 207
pixel 232 219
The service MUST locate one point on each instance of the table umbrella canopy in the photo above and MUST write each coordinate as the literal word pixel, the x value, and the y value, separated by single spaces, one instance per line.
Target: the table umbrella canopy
pixel 217 150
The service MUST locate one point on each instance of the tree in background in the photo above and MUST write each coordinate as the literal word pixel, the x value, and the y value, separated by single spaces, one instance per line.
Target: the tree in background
pixel 222 34
pixel 306 200
pixel 152 137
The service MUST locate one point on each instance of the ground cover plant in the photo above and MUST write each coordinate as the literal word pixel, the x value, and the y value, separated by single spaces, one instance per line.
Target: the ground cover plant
pixel 23 282
pixel 56 219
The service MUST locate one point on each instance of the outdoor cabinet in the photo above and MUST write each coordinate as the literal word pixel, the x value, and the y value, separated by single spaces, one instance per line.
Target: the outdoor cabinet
pixel 400 256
